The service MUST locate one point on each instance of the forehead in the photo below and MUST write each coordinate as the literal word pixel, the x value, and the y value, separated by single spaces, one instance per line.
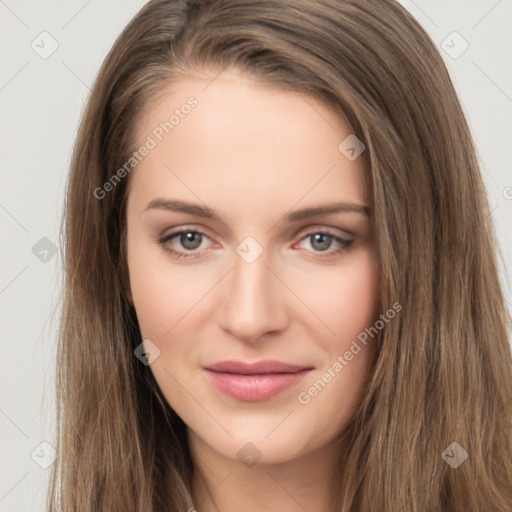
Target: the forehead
pixel 242 139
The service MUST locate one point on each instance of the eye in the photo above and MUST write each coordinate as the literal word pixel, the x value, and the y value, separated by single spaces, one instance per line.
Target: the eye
pixel 190 240
pixel 321 242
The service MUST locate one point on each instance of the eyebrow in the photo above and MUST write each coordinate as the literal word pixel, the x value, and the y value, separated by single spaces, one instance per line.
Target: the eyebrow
pixel 305 213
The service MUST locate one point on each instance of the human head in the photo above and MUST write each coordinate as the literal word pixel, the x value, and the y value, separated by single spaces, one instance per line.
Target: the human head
pixel 287 297
pixel 367 60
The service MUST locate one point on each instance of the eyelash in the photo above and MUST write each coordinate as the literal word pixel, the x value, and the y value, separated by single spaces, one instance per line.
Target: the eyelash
pixel 183 255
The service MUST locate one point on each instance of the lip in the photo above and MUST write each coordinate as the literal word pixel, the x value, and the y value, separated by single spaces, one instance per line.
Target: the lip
pixel 259 367
pixel 254 382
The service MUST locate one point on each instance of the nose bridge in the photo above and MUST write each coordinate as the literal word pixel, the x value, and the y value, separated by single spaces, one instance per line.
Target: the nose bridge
pixel 253 303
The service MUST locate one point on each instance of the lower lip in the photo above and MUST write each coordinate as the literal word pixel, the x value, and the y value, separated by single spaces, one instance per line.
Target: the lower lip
pixel 254 388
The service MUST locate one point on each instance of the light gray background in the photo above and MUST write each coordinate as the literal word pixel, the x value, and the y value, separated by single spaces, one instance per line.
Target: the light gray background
pixel 42 100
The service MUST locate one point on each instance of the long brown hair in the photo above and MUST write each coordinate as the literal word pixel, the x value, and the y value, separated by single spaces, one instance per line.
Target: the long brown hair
pixel 442 382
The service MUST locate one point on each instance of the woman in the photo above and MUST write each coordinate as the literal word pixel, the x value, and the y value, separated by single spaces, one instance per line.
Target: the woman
pixel 349 359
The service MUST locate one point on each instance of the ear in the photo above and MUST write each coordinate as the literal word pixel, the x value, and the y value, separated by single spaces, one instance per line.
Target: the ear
pixel 125 278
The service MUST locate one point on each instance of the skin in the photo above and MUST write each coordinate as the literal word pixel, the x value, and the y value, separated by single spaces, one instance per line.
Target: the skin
pixel 252 154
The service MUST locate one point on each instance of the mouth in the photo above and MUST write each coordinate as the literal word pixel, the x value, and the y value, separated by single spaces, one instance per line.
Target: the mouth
pixel 256 368
pixel 254 382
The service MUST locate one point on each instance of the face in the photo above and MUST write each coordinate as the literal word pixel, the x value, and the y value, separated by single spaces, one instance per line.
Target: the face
pixel 227 263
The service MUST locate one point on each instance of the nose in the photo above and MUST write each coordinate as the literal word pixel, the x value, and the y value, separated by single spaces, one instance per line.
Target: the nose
pixel 254 300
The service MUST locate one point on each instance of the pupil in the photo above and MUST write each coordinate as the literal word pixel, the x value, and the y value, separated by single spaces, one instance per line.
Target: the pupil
pixel 326 241
pixel 187 240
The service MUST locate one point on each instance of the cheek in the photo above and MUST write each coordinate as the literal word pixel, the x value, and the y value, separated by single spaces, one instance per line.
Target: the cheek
pixel 347 300
pixel 359 298
pixel 349 305
pixel 162 293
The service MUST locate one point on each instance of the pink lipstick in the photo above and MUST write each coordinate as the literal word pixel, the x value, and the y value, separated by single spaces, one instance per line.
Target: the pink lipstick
pixel 255 382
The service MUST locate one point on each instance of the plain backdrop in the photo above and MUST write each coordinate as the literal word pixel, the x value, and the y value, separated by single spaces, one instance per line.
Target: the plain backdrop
pixel 50 54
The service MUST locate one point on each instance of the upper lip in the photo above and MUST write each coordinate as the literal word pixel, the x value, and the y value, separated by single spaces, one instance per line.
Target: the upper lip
pixel 259 367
